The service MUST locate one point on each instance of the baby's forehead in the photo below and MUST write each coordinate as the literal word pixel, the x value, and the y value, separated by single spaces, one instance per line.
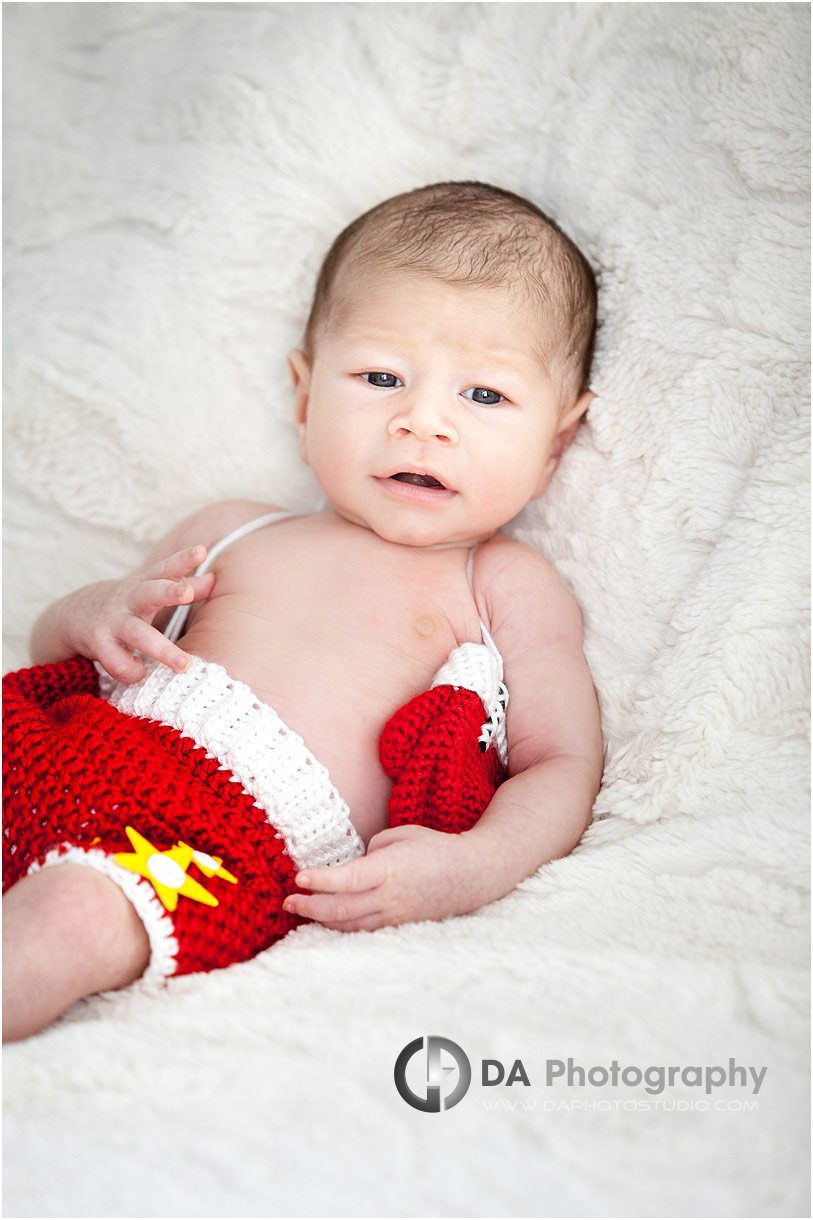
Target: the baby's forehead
pixel 401 291
pixel 391 304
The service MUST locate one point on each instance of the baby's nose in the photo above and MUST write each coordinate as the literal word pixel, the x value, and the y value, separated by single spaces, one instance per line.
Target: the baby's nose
pixel 424 420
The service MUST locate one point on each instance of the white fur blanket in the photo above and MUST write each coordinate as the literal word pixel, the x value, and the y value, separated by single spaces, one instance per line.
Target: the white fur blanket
pixel 174 173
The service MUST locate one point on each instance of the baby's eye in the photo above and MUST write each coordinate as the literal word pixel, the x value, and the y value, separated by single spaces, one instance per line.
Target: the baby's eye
pixel 484 396
pixel 382 381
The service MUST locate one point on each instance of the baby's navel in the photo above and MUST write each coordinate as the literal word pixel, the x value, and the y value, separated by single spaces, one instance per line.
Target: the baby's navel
pixel 424 626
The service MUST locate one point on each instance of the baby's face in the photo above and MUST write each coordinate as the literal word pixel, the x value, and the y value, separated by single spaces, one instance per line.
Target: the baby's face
pixel 426 415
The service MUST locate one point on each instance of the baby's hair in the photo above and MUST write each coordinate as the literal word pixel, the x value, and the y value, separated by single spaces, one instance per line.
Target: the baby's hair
pixel 475 233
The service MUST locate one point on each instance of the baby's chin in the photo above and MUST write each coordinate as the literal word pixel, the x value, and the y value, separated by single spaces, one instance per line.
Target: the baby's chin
pixel 417 534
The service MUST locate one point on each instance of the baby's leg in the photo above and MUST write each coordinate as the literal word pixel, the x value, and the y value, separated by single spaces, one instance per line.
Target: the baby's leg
pixel 68 931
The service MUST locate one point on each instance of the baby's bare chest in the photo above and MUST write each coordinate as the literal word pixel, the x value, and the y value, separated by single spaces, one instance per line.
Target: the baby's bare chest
pixel 335 633
pixel 336 630
pixel 334 617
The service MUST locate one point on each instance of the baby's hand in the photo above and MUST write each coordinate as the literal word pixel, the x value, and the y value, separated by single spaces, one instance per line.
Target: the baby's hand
pixel 107 620
pixel 409 873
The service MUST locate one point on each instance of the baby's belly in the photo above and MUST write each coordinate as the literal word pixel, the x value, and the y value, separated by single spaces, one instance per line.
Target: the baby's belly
pixel 336 701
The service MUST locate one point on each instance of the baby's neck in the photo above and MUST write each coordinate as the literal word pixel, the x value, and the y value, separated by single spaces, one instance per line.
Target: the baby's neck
pixel 455 544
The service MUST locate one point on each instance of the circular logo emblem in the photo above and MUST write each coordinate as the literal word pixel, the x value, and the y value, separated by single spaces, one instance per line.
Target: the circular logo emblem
pixel 435 1074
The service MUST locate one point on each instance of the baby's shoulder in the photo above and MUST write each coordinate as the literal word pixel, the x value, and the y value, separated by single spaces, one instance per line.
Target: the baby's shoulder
pixel 514 581
pixel 221 518
pixel 208 525
pixel 503 560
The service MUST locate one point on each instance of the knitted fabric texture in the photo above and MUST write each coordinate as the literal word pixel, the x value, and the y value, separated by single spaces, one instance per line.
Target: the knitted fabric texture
pixel 479 667
pixel 77 772
pixel 431 749
pixel 250 740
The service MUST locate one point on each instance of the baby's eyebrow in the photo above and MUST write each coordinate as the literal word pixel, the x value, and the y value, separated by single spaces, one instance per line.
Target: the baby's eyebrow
pixel 500 358
pixel 375 334
pixel 507 358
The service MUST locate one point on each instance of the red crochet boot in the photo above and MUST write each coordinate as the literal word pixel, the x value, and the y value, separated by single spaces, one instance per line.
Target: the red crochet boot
pixel 433 750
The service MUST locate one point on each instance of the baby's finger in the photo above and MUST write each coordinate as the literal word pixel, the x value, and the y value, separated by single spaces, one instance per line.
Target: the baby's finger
pixel 333 910
pixel 368 923
pixel 151 595
pixel 120 663
pixel 140 635
pixel 176 566
pixel 201 585
pixel 356 876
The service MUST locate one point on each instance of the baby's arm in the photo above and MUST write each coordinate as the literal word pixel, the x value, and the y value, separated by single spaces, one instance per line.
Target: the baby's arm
pixel 555 766
pixel 106 620
pixel 554 729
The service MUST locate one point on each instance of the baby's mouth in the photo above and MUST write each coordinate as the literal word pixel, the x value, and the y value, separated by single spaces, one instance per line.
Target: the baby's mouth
pixel 420 480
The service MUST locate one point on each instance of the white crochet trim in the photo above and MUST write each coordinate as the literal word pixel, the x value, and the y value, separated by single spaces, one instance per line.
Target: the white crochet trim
pixel 150 910
pixel 478 667
pixel 247 737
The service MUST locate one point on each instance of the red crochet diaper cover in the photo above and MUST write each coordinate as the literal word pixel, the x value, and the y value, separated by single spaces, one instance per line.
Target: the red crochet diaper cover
pixel 184 835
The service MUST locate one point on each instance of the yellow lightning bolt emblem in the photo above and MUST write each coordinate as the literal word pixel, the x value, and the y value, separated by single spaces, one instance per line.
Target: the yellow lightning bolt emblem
pixel 210 866
pixel 167 869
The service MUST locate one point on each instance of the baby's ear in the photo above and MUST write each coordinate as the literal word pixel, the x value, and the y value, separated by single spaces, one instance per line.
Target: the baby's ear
pixel 569 423
pixel 565 433
pixel 301 378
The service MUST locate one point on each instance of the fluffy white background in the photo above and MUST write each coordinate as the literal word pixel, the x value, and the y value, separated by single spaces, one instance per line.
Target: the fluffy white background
pixel 174 174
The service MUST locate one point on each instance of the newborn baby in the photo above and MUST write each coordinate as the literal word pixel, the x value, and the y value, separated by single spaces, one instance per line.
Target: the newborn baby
pixel 443 373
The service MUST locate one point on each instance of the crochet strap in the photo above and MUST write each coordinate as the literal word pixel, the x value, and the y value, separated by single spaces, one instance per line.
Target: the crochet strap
pixel 175 627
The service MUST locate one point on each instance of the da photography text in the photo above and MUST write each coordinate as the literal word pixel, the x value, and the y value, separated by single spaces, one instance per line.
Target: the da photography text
pixel 433 1073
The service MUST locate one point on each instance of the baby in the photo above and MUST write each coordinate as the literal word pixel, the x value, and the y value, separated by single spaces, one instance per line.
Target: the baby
pixel 319 730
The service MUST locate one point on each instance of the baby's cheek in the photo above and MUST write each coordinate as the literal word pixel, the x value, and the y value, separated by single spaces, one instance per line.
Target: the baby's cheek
pixel 500 495
pixel 333 450
pixel 327 463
